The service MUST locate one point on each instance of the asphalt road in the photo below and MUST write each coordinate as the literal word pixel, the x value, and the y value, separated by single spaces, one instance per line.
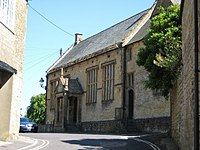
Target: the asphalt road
pixel 66 141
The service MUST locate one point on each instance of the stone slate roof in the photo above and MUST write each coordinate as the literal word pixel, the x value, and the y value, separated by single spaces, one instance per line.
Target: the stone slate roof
pixel 141 33
pixel 74 87
pixel 102 40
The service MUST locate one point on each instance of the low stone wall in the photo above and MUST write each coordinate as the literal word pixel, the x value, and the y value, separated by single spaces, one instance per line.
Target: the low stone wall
pixel 45 128
pixel 150 125
pixel 111 126
pixel 161 124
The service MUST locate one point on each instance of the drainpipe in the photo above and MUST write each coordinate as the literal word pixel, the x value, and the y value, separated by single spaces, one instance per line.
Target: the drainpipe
pixel 196 80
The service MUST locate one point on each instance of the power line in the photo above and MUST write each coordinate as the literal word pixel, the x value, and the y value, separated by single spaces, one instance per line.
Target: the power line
pixel 32 59
pixel 43 48
pixel 39 61
pixel 50 21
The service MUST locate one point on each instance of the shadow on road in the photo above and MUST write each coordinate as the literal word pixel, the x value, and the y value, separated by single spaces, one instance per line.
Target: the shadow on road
pixel 109 144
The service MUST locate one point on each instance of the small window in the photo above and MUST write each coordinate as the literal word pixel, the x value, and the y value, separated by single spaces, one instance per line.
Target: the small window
pixel 131 79
pixel 129 54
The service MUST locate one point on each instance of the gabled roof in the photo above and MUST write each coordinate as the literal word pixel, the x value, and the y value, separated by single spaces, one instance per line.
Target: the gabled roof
pixel 74 87
pixel 141 33
pixel 118 33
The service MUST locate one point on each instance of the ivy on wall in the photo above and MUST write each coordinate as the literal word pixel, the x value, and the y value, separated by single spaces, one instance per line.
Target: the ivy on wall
pixel 161 56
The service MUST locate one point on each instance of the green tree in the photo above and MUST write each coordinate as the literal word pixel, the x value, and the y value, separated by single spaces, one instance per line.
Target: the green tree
pixel 161 56
pixel 36 110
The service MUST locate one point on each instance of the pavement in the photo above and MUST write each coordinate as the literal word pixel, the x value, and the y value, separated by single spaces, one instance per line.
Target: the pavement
pixel 16 144
pixel 3 143
pixel 163 141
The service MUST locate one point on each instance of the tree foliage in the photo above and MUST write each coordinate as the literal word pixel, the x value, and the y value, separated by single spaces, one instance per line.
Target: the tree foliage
pixel 161 56
pixel 36 110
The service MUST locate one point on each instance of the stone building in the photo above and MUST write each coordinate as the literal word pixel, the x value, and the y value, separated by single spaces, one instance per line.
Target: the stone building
pixel 96 84
pixel 13 15
pixel 183 93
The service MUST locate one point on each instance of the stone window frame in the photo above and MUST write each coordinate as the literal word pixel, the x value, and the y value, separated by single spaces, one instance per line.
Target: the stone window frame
pixel 108 80
pixel 129 54
pixel 7 13
pixel 92 83
pixel 130 79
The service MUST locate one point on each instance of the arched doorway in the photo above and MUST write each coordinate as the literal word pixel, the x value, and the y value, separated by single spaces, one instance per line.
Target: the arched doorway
pixel 131 104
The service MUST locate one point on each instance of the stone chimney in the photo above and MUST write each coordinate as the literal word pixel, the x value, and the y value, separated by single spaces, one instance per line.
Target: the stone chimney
pixel 78 38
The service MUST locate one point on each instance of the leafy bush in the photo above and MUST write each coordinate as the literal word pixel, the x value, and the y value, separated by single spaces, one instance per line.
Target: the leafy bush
pixel 161 56
pixel 36 110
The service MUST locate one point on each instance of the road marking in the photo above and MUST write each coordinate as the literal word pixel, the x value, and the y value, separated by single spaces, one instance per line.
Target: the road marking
pixel 136 138
pixel 155 147
pixel 128 137
pixel 31 147
pixel 44 144
pixel 26 147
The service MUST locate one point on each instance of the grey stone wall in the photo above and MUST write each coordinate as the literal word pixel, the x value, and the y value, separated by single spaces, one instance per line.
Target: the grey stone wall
pixel 176 101
pixel 112 126
pixel 45 128
pixel 150 125
pixel 182 95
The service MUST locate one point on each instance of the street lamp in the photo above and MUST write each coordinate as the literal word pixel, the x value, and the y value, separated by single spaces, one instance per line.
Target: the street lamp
pixel 41 83
pixel 44 87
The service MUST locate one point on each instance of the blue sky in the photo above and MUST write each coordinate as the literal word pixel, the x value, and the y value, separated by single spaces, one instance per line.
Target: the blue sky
pixel 44 41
